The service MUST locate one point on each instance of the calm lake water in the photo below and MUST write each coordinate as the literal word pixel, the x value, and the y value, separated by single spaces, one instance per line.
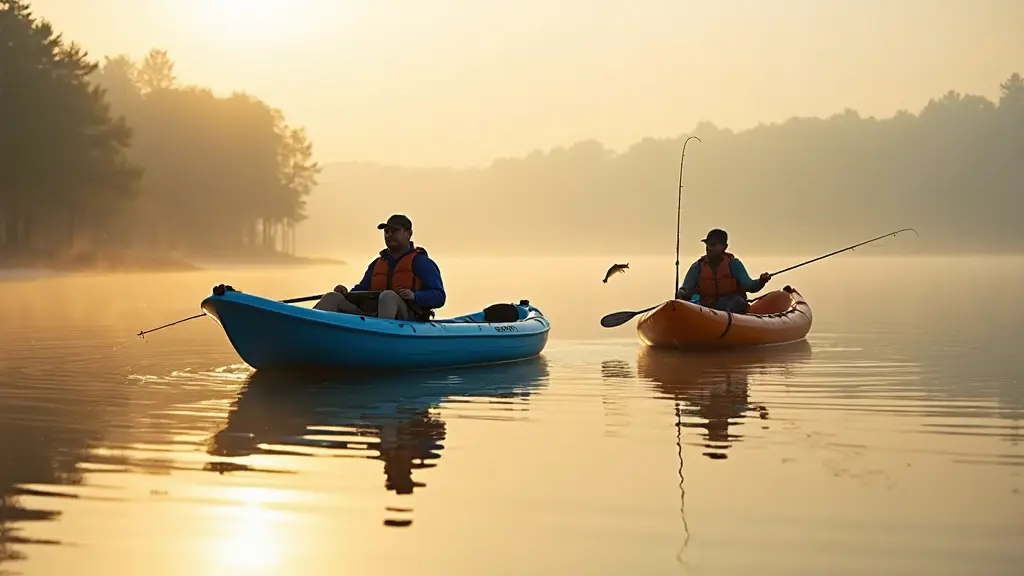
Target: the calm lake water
pixel 889 443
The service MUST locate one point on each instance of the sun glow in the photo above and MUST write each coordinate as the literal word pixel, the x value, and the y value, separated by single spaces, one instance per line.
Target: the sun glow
pixel 244 14
pixel 251 24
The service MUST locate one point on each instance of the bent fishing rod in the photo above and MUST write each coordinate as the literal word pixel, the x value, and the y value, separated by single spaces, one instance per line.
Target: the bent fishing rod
pixel 618 318
pixel 679 203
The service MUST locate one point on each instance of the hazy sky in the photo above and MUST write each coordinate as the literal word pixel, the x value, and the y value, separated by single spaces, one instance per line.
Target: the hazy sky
pixel 459 82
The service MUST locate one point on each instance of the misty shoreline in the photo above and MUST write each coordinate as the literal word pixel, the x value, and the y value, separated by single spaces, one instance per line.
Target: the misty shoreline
pixel 141 261
pixel 134 261
pixel 687 257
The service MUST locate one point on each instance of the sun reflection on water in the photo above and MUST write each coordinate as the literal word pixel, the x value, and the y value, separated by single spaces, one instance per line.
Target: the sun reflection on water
pixel 251 529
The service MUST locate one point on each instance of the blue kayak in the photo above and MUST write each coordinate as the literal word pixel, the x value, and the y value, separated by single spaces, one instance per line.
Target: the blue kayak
pixel 268 334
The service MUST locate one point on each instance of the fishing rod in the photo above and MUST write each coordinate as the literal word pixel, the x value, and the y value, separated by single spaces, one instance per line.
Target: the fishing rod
pixel 893 234
pixel 363 294
pixel 848 248
pixel 679 205
pixel 617 318
pixel 168 325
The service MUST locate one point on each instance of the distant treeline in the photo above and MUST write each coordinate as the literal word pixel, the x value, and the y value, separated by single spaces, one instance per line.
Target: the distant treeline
pixel 954 171
pixel 122 156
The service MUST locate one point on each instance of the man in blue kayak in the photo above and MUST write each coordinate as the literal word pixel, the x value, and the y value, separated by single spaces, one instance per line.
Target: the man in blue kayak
pixel 408 281
pixel 718 279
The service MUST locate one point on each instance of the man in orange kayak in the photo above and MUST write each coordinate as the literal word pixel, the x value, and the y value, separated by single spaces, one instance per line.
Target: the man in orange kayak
pixel 718 279
pixel 409 282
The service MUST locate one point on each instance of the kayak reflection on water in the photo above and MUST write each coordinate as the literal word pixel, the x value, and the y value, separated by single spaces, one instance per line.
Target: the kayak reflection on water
pixel 714 386
pixel 711 385
pixel 391 418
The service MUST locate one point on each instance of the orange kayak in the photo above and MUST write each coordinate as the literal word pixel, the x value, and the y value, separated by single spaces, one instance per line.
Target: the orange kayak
pixel 778 317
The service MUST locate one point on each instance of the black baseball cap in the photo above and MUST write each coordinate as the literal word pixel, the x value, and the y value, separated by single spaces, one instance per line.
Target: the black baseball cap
pixel 400 221
pixel 716 236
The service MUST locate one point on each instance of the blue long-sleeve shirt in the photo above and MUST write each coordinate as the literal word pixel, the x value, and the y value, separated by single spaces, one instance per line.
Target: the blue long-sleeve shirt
pixel 739 272
pixel 430 295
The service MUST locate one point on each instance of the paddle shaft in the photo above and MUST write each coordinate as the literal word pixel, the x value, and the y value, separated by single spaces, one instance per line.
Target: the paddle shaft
pixel 288 301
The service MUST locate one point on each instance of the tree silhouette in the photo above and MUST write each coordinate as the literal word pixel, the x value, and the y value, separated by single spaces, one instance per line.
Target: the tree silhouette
pixel 1012 93
pixel 298 176
pixel 156 72
pixel 98 159
pixel 63 157
pixel 222 173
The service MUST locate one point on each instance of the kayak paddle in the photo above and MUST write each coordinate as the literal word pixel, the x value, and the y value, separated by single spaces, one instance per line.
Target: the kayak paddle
pixel 617 318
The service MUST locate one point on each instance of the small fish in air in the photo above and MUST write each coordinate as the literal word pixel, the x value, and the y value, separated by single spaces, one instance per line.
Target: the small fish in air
pixel 615 269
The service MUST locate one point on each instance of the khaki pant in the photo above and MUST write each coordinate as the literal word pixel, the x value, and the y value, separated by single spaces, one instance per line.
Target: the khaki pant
pixel 389 305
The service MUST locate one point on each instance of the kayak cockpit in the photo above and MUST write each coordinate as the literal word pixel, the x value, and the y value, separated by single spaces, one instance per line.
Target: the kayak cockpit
pixel 500 313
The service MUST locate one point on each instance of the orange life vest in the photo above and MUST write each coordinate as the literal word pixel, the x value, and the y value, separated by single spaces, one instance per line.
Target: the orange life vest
pixel 713 284
pixel 401 276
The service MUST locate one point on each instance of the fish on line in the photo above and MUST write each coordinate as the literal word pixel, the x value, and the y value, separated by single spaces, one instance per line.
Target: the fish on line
pixel 615 269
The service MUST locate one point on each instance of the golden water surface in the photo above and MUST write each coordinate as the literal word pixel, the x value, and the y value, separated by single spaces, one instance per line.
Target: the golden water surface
pixel 889 443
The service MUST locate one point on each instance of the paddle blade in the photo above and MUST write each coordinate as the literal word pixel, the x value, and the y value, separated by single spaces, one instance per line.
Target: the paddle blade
pixel 617 318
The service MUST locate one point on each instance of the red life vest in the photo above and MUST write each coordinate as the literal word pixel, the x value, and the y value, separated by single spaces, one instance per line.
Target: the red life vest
pixel 401 276
pixel 714 284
